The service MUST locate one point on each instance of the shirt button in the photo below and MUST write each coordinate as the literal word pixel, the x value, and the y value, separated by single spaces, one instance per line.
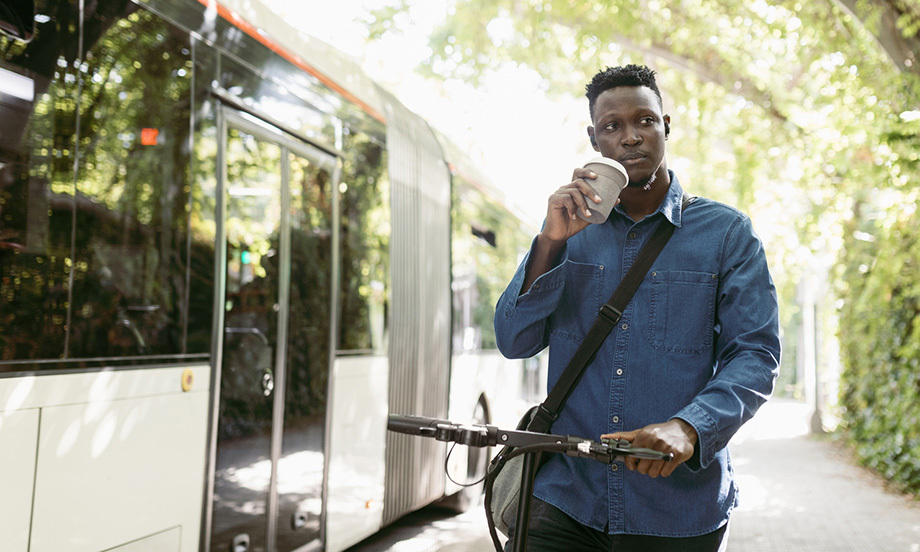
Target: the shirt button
pixel 619 371
pixel 602 267
pixel 625 326
pixel 616 419
pixel 614 467
pixel 633 235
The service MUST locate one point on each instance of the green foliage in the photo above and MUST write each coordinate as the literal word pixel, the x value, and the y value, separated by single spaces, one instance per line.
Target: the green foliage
pixel 880 317
pixel 382 20
pixel 908 20
pixel 880 337
pixel 789 110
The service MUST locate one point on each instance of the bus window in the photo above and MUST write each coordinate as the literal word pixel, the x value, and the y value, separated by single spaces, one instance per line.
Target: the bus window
pixel 131 220
pixel 486 243
pixel 95 262
pixel 300 467
pixel 36 186
pixel 365 208
pixel 16 19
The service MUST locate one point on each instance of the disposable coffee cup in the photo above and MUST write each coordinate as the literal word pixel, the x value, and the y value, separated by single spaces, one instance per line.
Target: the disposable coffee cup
pixel 610 181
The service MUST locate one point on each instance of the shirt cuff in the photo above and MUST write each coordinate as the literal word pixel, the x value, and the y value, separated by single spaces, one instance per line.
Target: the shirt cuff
pixel 545 285
pixel 705 426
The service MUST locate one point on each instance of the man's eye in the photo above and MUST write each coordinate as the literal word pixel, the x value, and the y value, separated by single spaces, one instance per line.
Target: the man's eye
pixel 610 126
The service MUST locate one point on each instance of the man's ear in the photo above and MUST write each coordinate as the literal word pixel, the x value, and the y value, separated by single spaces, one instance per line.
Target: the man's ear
pixel 592 138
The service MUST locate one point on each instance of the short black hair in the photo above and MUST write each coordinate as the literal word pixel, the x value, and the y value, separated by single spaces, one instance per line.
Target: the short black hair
pixel 612 77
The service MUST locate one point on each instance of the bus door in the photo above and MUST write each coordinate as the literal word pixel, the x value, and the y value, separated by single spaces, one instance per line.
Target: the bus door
pixel 271 414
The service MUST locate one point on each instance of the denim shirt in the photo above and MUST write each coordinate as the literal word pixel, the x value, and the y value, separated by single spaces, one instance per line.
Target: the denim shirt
pixel 698 341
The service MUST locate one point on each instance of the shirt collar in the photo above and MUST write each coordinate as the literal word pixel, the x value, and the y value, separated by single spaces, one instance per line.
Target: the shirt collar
pixel 671 206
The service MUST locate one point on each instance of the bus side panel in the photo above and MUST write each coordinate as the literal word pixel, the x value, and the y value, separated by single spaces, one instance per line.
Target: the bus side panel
pixel 356 450
pixel 498 380
pixel 167 541
pixel 420 328
pixel 488 374
pixel 120 458
pixel 18 437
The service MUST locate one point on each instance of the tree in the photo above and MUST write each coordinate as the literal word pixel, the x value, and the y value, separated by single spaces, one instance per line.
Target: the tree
pixel 802 114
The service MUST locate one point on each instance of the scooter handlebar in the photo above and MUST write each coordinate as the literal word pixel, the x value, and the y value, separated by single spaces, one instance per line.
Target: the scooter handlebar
pixel 415 425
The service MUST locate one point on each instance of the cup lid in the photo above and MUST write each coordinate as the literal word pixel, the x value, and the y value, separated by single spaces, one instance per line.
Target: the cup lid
pixel 609 162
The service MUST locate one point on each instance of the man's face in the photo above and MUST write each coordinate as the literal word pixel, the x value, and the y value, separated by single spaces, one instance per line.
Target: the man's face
pixel 630 128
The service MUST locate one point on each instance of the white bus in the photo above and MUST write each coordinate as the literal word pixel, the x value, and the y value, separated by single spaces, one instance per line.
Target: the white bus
pixel 225 257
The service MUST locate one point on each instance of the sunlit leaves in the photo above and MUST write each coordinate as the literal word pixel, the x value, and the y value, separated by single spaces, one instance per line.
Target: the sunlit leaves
pixel 792 110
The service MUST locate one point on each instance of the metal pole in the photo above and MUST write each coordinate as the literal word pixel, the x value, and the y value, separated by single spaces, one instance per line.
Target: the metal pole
pixel 531 461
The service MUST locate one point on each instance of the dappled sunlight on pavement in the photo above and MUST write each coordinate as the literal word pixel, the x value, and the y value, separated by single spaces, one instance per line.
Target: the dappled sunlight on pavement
pixel 433 529
pixel 803 493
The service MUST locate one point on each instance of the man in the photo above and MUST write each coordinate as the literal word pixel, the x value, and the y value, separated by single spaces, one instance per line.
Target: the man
pixel 694 355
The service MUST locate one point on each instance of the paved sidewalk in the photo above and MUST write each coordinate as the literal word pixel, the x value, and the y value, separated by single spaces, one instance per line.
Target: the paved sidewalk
pixel 800 493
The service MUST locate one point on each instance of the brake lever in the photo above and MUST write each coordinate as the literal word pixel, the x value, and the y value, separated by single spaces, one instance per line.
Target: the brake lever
pixel 612 450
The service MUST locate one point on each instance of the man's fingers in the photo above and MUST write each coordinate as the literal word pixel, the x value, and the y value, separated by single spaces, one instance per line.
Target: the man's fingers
pixel 647 467
pixel 571 197
pixel 631 463
pixel 578 191
pixel 585 188
pixel 581 179
pixel 651 468
pixel 565 200
pixel 582 172
pixel 643 439
pixel 654 469
pixel 669 468
pixel 625 435
pixel 571 205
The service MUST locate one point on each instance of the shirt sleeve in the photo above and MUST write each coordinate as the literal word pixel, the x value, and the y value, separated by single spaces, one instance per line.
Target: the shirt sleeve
pixel 747 348
pixel 521 320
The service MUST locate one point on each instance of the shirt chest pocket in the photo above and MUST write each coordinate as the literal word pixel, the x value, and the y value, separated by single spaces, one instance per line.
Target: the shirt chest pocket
pixel 582 297
pixel 682 311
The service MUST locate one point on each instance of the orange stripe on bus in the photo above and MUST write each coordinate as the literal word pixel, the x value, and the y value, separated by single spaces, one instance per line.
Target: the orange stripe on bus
pixel 290 56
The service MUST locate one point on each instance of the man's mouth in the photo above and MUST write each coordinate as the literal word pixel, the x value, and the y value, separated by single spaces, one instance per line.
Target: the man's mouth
pixel 632 159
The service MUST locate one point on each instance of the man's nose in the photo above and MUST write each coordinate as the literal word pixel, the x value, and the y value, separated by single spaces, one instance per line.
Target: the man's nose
pixel 631 137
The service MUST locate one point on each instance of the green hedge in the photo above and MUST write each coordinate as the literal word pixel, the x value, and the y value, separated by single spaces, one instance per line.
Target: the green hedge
pixel 880 345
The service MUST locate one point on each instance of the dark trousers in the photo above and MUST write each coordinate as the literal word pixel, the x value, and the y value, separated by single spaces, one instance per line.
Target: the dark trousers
pixel 551 530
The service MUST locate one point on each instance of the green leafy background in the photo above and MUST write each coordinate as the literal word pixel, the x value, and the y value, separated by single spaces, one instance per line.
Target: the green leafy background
pixel 805 115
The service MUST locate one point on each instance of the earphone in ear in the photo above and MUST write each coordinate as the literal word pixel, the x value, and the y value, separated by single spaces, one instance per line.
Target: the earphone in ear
pixel 667 129
pixel 593 141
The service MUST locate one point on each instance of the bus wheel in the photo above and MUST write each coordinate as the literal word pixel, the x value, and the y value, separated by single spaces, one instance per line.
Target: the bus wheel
pixel 476 464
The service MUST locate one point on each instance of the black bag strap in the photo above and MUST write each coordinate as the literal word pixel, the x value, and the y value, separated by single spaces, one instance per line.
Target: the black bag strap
pixel 608 316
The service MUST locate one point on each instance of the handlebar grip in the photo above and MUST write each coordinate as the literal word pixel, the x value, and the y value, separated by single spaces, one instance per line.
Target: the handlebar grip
pixel 414 425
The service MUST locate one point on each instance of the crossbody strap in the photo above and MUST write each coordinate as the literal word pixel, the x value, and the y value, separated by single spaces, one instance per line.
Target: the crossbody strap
pixel 607 318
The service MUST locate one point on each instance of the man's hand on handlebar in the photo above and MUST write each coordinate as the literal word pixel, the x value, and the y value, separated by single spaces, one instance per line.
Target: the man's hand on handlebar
pixel 675 436
pixel 521 441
